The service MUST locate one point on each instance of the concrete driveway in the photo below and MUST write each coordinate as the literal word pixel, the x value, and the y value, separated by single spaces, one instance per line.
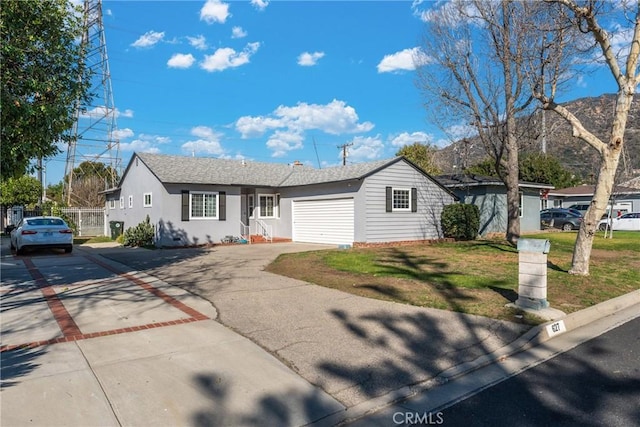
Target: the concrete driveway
pixel 85 341
pixel 356 349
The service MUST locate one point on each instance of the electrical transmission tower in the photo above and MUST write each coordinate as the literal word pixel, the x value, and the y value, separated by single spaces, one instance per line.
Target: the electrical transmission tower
pixel 94 137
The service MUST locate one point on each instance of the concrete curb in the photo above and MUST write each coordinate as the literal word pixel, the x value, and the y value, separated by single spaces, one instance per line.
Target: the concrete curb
pixel 532 338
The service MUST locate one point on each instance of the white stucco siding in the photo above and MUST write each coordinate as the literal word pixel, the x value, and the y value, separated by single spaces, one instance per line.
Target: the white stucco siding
pixel 383 226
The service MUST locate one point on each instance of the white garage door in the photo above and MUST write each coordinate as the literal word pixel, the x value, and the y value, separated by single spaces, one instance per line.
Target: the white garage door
pixel 323 221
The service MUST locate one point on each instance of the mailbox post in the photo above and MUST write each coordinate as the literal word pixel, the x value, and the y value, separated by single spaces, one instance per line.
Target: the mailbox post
pixel 532 273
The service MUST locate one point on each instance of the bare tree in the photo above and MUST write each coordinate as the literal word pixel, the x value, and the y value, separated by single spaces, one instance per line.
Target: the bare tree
pixel 471 69
pixel 554 47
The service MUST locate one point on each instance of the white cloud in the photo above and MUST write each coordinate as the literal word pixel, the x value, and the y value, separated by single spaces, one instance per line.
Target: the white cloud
pixel 289 124
pixel 148 39
pixel 123 133
pixel 260 4
pixel 405 60
pixel 255 126
pixel 238 33
pixel 407 138
pixel 282 142
pixel 102 112
pixel 181 60
pixel 208 142
pixel 307 59
pixel 199 42
pixel 365 148
pixel 142 145
pixel 214 11
pixel 227 57
pixel 333 118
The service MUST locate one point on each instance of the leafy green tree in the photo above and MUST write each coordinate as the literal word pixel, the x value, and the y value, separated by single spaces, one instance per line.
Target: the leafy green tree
pixel 486 167
pixel 539 167
pixel 533 167
pixel 24 190
pixel 423 155
pixel 55 193
pixel 43 76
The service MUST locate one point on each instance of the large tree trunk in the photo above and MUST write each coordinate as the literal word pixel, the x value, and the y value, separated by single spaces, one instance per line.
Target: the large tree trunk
pixel 511 182
pixel 604 187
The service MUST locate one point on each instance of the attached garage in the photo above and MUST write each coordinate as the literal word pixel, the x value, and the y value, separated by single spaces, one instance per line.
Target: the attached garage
pixel 328 221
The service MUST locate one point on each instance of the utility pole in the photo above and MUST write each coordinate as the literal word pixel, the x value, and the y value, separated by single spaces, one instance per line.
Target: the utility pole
pixel 94 136
pixel 344 152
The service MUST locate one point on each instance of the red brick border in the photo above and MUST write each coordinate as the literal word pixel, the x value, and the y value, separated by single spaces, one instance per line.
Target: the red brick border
pixel 147 287
pixel 71 331
pixel 65 321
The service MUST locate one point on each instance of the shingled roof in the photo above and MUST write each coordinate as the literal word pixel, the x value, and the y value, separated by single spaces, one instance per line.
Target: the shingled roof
pixel 464 181
pixel 171 169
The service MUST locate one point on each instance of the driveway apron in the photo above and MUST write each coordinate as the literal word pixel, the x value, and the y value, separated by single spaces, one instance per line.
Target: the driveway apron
pixel 356 349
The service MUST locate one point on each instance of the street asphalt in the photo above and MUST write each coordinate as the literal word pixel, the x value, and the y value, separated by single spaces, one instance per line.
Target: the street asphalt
pixel 204 336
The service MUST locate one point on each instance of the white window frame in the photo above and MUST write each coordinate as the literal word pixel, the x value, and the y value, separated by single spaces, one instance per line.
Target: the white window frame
pixel 260 213
pixel 144 200
pixel 276 206
pixel 112 204
pixel 393 200
pixel 251 201
pixel 130 202
pixel 204 194
pixel 121 202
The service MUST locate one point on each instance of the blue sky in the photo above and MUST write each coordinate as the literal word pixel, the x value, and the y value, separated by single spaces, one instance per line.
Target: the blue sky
pixel 271 81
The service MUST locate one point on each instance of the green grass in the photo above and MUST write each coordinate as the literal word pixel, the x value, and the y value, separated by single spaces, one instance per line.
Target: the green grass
pixel 96 239
pixel 477 277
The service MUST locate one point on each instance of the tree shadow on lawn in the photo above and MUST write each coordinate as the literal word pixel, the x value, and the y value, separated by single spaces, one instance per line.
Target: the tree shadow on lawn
pixel 434 275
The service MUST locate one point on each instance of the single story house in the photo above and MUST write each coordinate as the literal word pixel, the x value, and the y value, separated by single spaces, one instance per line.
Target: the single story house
pixel 193 201
pixel 624 199
pixel 490 195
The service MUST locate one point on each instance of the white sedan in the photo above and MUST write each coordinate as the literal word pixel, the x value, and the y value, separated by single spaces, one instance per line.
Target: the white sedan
pixel 41 232
pixel 627 222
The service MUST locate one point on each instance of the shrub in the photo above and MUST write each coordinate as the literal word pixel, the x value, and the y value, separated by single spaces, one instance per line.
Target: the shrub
pixel 461 221
pixel 140 235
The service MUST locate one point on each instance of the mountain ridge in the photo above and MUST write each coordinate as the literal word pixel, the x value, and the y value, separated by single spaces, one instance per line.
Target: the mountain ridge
pixel 596 114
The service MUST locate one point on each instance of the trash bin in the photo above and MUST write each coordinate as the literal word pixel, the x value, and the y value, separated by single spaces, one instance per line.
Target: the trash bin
pixel 116 228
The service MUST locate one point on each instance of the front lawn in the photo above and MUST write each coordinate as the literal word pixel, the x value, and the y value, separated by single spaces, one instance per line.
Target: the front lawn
pixel 478 277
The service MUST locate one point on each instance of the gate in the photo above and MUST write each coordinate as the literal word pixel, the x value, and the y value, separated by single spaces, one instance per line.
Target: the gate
pixel 88 221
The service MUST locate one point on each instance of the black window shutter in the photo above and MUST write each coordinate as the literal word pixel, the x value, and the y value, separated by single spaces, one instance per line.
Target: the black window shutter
pixel 185 205
pixel 389 199
pixel 222 205
pixel 414 200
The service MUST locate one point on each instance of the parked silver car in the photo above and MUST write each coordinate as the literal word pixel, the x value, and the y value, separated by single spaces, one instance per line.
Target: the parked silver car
pixel 42 232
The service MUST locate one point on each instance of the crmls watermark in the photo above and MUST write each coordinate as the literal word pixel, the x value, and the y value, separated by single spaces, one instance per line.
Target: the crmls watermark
pixel 418 418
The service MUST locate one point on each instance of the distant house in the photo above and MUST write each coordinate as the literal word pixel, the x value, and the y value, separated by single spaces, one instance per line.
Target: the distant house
pixel 490 195
pixel 625 199
pixel 195 201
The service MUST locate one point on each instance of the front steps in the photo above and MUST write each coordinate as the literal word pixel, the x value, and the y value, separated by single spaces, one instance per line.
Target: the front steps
pixel 257 238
